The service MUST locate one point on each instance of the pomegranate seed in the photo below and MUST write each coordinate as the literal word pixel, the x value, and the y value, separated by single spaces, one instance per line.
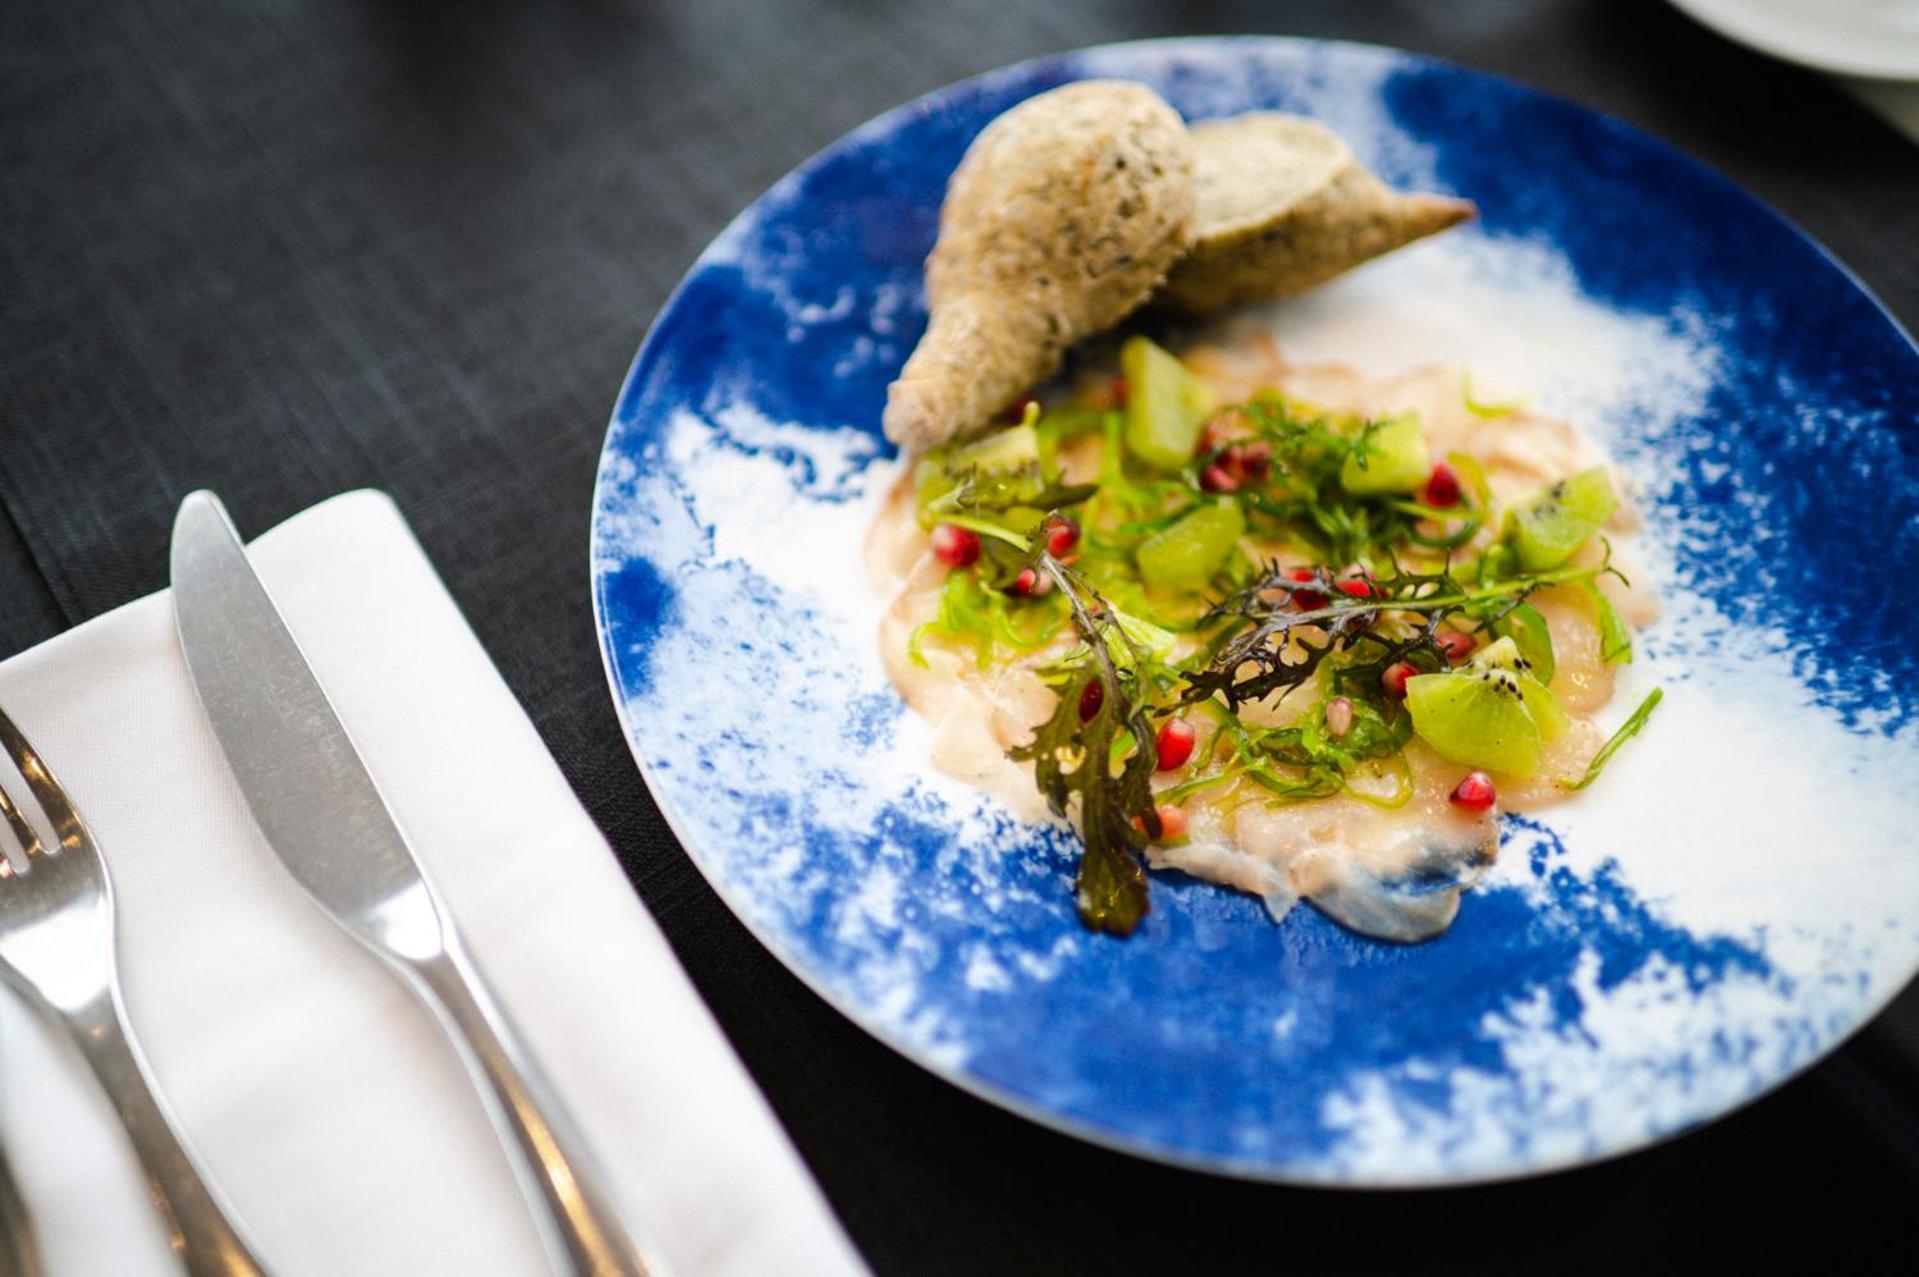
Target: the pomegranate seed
pixel 1217 478
pixel 1016 411
pixel 1175 744
pixel 1249 462
pixel 1475 793
pixel 955 546
pixel 1394 677
pixel 1061 537
pixel 1237 463
pixel 1456 644
pixel 1031 583
pixel 1356 589
pixel 1339 717
pixel 1306 600
pixel 1172 823
pixel 1442 487
pixel 1091 699
pixel 1116 392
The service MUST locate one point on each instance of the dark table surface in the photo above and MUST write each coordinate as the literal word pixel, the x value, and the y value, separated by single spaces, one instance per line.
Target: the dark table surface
pixel 284 249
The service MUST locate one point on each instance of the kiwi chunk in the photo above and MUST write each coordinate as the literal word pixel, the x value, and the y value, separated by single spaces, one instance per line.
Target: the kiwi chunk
pixel 1491 713
pixel 1550 523
pixel 1529 632
pixel 1507 654
pixel 1013 448
pixel 1165 405
pixel 1005 452
pixel 1389 458
pixel 1186 555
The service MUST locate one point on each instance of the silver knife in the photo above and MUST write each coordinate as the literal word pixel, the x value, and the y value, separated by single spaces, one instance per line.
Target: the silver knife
pixel 323 815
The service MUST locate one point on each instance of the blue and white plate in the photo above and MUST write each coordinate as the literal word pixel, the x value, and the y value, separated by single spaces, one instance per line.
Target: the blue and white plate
pixel 1738 893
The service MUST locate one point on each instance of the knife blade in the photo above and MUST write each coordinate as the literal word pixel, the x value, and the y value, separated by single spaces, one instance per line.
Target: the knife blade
pixel 323 814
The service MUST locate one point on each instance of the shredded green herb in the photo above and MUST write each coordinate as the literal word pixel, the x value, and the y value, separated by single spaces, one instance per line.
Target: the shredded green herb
pixel 1627 730
pixel 1615 640
pixel 987 620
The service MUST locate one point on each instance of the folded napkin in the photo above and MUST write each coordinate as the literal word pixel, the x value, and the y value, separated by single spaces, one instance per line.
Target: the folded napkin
pixel 325 1101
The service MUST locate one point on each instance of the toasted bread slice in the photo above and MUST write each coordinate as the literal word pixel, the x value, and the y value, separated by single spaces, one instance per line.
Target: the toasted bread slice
pixel 1064 215
pixel 1283 206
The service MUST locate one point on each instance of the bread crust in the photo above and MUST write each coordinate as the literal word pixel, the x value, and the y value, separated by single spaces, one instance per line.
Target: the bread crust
pixel 1064 216
pixel 1284 206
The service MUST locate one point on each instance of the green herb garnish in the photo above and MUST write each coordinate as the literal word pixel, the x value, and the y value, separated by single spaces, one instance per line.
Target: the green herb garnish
pixel 1284 644
pixel 1627 730
pixel 1098 748
pixel 1615 640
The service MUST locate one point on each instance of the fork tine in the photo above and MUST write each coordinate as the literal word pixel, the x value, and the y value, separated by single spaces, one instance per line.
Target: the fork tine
pixel 67 826
pixel 22 830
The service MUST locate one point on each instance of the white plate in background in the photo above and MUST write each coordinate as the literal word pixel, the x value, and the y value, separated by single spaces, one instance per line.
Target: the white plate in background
pixel 1878 39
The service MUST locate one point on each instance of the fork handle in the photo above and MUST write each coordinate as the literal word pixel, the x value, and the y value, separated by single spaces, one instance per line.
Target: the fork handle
pixel 561 1184
pixel 199 1223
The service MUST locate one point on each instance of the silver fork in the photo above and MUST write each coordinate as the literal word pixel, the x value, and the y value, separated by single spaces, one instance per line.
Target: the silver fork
pixel 57 951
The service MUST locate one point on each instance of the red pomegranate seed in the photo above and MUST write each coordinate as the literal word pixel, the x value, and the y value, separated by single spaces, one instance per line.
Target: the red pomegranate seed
pixel 1442 487
pixel 1172 823
pixel 1217 478
pixel 1250 462
pixel 1016 411
pixel 1031 583
pixel 1116 392
pixel 1475 793
pixel 1456 644
pixel 1175 744
pixel 1306 600
pixel 1356 589
pixel 1339 717
pixel 1091 699
pixel 1061 537
pixel 955 546
pixel 1394 677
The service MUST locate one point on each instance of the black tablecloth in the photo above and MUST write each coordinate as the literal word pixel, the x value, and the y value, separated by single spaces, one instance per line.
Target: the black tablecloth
pixel 285 249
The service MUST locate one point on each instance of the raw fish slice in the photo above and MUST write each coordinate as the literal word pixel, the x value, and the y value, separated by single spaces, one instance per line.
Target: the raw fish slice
pixel 1415 904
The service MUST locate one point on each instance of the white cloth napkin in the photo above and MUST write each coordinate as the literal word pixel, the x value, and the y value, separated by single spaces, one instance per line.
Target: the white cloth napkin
pixel 328 1106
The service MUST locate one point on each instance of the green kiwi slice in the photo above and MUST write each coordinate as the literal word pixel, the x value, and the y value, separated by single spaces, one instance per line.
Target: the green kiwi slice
pixel 1165 405
pixel 1506 654
pixel 1548 524
pixel 1391 458
pixel 1006 452
pixel 1491 713
pixel 1186 555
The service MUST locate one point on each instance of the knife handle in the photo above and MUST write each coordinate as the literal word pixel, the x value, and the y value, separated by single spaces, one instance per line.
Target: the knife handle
pixel 561 1184
pixel 198 1223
